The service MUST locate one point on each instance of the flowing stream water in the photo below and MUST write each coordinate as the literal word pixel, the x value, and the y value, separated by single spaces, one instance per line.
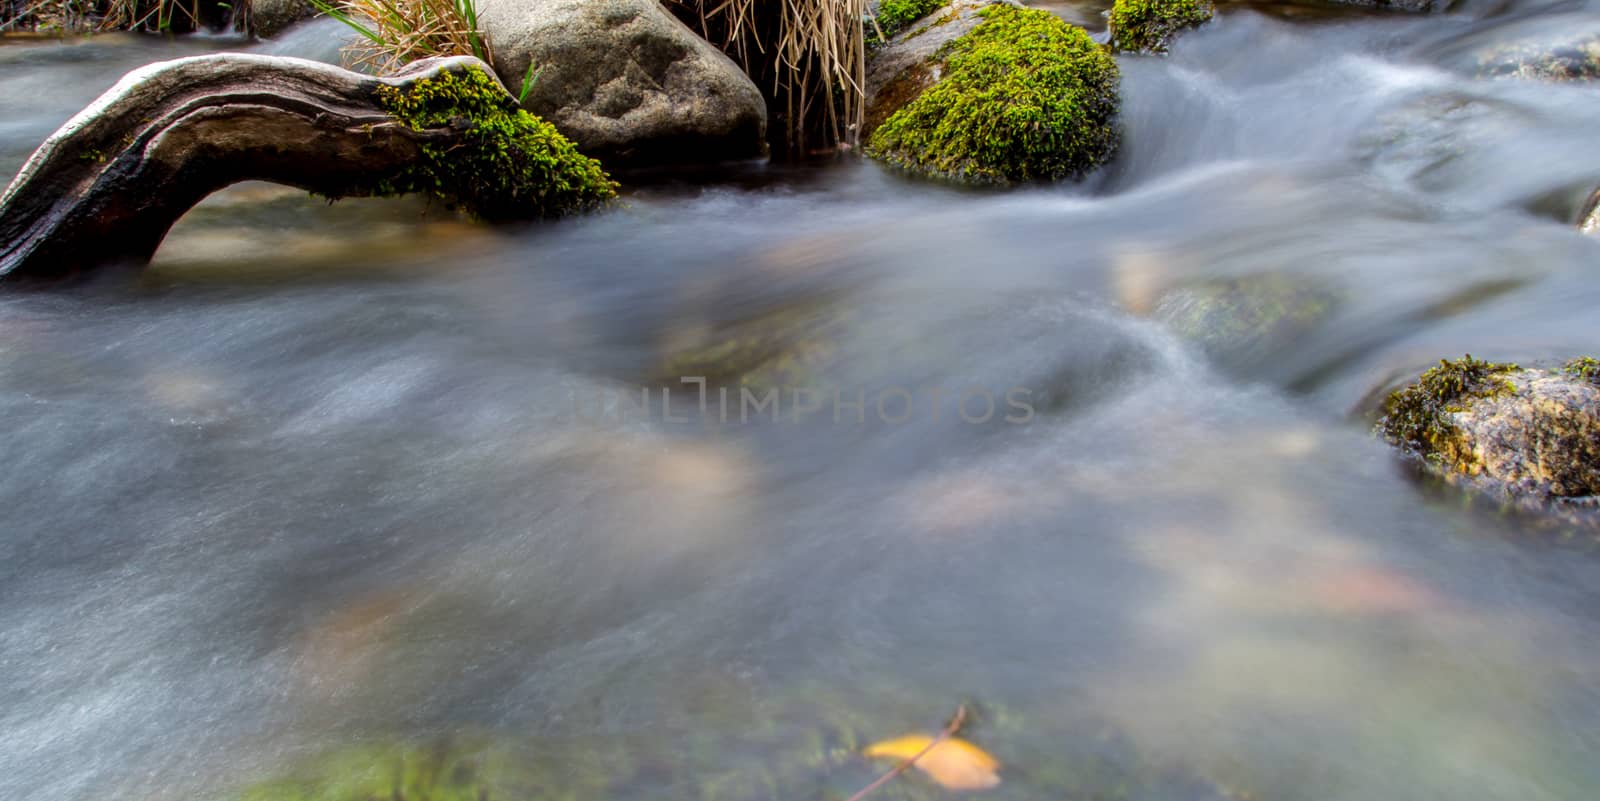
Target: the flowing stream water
pixel 332 477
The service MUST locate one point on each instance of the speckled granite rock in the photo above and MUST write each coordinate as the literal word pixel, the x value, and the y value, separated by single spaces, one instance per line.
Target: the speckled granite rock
pixel 1529 433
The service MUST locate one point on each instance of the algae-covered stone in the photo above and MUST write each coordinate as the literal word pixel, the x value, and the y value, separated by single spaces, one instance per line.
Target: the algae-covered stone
pixel 516 167
pixel 1524 432
pixel 1023 97
pixel 1147 26
pixel 1584 367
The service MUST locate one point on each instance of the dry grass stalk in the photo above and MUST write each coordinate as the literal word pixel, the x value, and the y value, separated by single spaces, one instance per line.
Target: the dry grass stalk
pixel 77 16
pixel 812 51
pixel 396 32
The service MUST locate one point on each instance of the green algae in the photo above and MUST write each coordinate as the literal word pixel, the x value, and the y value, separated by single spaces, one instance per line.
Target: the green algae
pixel 1584 367
pixel 1417 416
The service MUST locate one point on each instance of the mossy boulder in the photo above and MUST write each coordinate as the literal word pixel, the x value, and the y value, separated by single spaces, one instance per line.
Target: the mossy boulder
pixel 515 166
pixel 1147 26
pixel 1521 432
pixel 1022 97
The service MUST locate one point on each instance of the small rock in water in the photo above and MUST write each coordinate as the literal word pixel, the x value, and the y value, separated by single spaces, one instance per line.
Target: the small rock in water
pixel 1554 47
pixel 1526 433
pixel 1572 58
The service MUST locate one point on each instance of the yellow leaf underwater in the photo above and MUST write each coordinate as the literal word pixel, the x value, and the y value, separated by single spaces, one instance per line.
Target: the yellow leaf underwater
pixel 955 763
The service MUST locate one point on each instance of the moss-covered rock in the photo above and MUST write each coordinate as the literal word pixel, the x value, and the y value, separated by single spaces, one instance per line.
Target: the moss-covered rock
pixel 893 16
pixel 903 67
pixel 516 167
pixel 1147 26
pixel 1522 432
pixel 1023 97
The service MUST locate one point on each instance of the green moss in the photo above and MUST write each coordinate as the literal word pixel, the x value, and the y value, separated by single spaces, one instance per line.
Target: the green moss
pixel 1145 26
pixel 1584 367
pixel 1025 97
pixel 895 15
pixel 1417 416
pixel 440 772
pixel 513 165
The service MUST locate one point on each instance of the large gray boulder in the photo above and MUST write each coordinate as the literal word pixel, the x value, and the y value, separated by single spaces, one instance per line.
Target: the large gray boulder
pixel 626 81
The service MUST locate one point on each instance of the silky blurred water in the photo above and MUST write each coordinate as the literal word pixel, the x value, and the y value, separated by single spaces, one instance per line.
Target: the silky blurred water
pixel 321 475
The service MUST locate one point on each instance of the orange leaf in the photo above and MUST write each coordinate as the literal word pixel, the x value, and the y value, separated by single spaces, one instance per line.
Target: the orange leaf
pixel 955 763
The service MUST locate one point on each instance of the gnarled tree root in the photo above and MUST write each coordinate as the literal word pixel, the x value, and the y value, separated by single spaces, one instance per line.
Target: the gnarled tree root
pixel 110 183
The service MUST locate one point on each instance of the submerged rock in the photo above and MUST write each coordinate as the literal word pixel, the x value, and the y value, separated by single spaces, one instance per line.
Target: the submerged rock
pixel 626 81
pixel 1433 139
pixel 1522 432
pixel 446 769
pixel 1569 56
pixel 1147 26
pixel 785 347
pixel 1022 96
pixel 1245 319
pixel 1548 47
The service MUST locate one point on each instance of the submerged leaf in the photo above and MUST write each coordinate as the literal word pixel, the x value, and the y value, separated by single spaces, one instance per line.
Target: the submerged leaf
pixel 955 763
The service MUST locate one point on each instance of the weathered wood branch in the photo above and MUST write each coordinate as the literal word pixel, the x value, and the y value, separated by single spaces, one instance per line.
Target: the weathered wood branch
pixel 110 183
